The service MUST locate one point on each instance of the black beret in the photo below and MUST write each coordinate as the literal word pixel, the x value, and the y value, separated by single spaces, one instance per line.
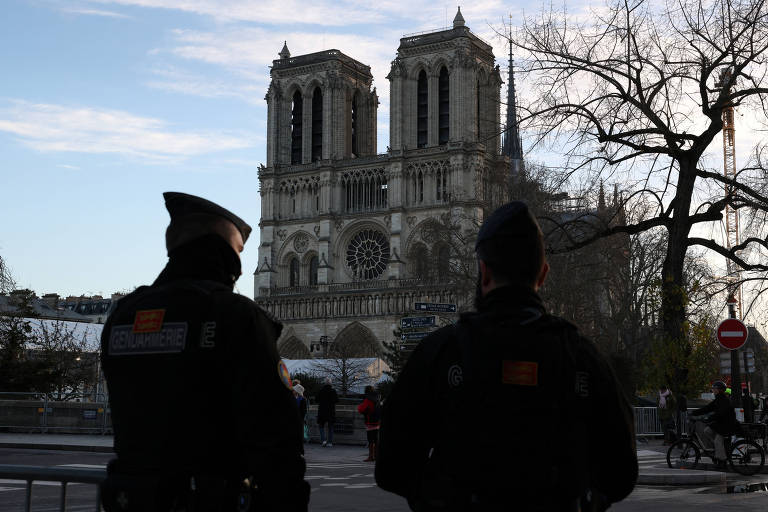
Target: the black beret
pixel 180 205
pixel 513 220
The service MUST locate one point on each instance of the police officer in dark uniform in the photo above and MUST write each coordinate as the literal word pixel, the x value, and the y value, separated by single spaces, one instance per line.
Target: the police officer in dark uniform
pixel 202 408
pixel 510 408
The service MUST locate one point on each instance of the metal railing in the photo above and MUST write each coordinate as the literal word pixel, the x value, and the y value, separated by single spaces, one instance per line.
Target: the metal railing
pixel 65 476
pixel 647 421
pixel 37 413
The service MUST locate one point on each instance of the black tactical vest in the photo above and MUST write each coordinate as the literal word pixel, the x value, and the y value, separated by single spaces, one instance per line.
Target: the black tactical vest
pixel 511 399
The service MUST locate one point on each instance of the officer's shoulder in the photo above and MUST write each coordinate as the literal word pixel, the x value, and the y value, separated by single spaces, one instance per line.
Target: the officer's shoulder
pixel 241 303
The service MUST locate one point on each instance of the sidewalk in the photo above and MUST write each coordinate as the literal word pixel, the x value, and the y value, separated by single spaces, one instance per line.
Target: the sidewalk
pixel 651 456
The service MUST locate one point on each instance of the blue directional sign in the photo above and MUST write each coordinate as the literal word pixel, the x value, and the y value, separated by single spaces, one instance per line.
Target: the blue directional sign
pixel 417 321
pixel 434 307
pixel 411 336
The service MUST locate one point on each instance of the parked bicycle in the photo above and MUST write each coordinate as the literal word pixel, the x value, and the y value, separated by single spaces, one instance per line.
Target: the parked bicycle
pixel 744 455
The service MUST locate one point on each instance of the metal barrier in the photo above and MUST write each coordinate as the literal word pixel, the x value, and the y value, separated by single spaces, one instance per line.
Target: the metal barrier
pixel 647 421
pixel 34 412
pixel 65 476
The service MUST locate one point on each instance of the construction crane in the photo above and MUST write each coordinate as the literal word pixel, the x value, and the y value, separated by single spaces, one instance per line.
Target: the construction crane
pixel 731 214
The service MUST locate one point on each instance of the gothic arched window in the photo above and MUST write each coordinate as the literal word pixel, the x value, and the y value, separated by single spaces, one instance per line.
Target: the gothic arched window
pixel 477 114
pixel 422 110
pixel 443 261
pixel 355 115
pixel 419 263
pixel 443 106
pixel 297 111
pixel 313 264
pixel 317 124
pixel 294 272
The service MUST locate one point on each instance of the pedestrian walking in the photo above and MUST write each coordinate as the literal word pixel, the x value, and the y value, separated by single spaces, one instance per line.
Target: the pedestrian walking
pixel 212 353
pixel 302 405
pixel 371 409
pixel 326 412
pixel 667 408
pixel 509 408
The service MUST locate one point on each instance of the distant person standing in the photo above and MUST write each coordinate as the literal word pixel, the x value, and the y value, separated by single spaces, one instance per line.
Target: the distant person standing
pixel 371 409
pixel 326 412
pixel 667 407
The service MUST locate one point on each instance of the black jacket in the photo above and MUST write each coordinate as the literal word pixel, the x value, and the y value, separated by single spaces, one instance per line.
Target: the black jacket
pixel 195 382
pixel 326 404
pixel 723 418
pixel 509 404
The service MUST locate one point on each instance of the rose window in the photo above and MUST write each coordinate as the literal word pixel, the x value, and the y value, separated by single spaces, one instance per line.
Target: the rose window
pixel 368 254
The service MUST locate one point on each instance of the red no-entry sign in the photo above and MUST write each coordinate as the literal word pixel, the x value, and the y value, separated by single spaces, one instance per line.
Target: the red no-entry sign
pixel 732 334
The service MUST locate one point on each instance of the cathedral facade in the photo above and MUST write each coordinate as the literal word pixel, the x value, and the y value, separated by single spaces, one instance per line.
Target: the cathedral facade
pixel 341 256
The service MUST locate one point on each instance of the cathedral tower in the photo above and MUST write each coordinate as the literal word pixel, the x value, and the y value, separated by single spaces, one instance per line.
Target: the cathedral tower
pixel 320 107
pixel 444 87
pixel 343 253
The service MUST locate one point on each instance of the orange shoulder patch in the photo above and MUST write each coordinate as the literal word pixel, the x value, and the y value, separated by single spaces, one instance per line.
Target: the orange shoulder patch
pixel 148 320
pixel 520 373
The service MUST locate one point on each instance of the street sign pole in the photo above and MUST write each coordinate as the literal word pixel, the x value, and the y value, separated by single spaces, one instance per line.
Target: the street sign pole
pixel 735 370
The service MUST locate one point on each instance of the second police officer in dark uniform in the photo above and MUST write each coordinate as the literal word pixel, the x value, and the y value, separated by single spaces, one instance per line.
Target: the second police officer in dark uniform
pixel 509 409
pixel 203 413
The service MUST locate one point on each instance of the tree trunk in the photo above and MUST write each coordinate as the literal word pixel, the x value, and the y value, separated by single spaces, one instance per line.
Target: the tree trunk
pixel 674 293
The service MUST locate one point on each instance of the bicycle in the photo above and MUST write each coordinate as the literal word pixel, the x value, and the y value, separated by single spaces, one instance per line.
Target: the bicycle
pixel 744 456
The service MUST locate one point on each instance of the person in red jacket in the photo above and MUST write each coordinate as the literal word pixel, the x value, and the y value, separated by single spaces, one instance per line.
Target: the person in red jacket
pixel 371 408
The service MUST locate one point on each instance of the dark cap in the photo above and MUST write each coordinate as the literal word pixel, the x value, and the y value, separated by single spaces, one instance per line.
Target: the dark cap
pixel 180 205
pixel 719 384
pixel 513 220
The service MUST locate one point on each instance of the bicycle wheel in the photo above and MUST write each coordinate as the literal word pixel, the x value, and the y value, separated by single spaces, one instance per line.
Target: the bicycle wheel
pixel 683 454
pixel 746 457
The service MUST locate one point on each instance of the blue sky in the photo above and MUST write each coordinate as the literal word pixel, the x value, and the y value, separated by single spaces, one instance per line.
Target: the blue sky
pixel 105 104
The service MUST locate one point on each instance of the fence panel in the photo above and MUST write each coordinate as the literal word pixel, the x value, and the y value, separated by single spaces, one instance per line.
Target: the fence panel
pixel 65 476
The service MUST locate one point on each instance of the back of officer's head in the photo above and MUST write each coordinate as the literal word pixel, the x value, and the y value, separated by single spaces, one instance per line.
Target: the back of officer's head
pixel 193 217
pixel 511 244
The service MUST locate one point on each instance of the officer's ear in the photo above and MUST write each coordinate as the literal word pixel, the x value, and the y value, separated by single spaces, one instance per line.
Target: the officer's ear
pixel 487 282
pixel 542 276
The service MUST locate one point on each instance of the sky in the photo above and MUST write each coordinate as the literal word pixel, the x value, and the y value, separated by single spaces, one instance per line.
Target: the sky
pixel 106 104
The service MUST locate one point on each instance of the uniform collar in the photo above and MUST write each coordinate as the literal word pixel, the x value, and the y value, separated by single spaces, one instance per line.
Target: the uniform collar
pixel 510 297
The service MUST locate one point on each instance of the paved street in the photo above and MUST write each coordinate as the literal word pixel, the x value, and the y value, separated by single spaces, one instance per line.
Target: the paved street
pixel 342 482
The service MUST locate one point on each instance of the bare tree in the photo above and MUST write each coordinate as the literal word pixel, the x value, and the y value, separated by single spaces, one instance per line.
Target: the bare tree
pixel 69 366
pixel 347 365
pixel 637 93
pixel 7 283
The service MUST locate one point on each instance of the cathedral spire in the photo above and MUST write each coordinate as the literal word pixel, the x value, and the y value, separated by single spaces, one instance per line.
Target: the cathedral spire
pixel 458 20
pixel 285 53
pixel 512 147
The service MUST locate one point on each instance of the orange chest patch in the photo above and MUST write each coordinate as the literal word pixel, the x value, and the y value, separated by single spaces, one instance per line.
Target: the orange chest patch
pixel 520 373
pixel 149 320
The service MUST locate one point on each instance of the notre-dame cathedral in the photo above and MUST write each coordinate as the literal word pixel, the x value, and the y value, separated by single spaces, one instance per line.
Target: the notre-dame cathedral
pixel 341 258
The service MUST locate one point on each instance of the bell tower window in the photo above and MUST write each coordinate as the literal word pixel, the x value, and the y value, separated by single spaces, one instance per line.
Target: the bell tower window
pixel 297 110
pixel 317 124
pixel 355 123
pixel 294 272
pixel 422 108
pixel 443 106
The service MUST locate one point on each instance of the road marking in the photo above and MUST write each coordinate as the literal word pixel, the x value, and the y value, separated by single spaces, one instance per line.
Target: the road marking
pixel 83 466
pixel 333 485
pixel 360 486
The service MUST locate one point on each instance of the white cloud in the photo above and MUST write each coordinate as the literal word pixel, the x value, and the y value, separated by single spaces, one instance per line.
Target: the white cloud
pixel 184 82
pixel 67 166
pixel 57 128
pixel 327 13
pixel 96 12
